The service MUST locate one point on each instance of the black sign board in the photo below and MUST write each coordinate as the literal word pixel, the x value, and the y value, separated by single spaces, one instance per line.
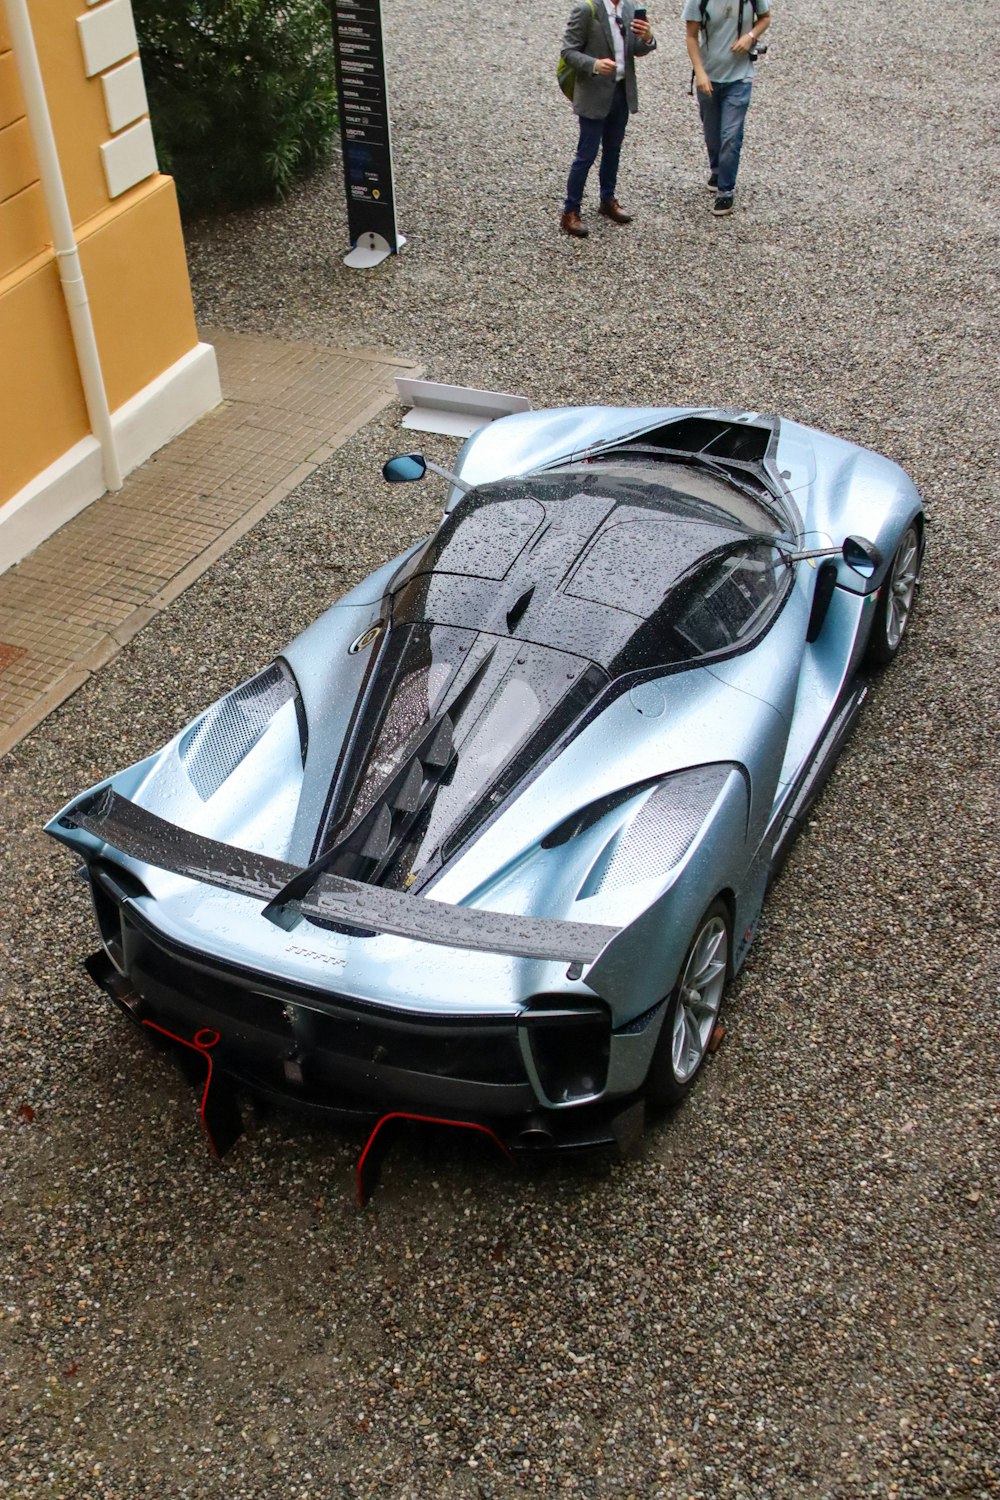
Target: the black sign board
pixel 364 121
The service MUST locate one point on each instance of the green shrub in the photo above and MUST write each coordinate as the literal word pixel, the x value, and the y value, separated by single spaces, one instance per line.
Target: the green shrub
pixel 241 94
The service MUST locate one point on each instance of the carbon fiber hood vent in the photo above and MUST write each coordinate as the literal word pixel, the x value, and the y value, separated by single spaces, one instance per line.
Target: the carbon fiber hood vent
pixel 226 733
pixel 663 829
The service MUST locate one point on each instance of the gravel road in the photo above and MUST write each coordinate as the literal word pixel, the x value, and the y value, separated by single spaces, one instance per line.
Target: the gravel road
pixel 791 1289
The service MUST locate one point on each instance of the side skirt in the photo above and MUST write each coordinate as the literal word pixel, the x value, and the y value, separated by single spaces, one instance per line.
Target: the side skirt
pixel 815 775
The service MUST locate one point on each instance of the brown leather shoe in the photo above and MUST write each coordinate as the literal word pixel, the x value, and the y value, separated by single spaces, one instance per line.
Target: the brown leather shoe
pixel 612 209
pixel 571 223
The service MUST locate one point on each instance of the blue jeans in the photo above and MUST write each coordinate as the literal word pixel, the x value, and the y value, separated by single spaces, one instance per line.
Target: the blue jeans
pixel 605 136
pixel 723 113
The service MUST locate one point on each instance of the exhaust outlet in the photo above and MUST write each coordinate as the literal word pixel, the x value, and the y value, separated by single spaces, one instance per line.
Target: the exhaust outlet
pixel 104 974
pixel 535 1133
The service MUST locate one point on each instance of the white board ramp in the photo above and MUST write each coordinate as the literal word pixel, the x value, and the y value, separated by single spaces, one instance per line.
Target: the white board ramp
pixel 454 410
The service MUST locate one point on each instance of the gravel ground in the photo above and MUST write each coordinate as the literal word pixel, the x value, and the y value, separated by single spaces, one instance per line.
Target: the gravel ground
pixel 791 1289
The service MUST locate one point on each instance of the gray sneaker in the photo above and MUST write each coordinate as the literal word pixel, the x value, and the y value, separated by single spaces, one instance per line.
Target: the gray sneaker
pixel 723 204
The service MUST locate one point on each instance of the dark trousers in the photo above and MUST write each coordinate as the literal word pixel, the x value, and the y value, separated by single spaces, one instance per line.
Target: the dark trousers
pixel 605 136
pixel 723 115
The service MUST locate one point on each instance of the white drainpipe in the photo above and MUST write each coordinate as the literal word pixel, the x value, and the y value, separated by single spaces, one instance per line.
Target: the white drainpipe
pixel 64 240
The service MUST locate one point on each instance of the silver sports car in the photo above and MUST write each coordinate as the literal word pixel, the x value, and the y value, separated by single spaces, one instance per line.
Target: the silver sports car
pixel 486 841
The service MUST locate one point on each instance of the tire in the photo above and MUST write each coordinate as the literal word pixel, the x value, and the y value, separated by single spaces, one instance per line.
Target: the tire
pixel 692 1010
pixel 897 597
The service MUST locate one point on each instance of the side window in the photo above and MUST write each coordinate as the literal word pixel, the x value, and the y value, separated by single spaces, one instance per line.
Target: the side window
pixel 725 602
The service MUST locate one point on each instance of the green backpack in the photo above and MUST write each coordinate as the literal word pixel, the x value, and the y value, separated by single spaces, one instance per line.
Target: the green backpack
pixel 566 73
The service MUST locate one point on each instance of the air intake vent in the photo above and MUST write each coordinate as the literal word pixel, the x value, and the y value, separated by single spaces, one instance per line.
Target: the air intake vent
pixel 716 437
pixel 518 609
pixel 228 731
pixel 663 828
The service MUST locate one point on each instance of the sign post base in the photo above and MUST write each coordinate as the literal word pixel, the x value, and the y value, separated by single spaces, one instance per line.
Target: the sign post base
pixel 371 250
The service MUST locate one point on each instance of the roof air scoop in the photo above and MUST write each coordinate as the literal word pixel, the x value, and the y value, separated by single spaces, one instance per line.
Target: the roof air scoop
pixel 518 609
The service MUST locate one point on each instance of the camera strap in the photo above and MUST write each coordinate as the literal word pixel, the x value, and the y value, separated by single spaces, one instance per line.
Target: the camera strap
pixel 703 8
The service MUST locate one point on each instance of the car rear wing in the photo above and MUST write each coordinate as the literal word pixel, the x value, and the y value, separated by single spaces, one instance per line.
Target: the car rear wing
pixel 142 836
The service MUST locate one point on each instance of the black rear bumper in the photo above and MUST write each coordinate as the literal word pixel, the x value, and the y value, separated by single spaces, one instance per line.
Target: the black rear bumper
pixel 341 1059
pixel 323 1051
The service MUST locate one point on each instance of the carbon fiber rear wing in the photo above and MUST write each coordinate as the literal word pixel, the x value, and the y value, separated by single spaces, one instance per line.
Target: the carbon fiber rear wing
pixel 143 836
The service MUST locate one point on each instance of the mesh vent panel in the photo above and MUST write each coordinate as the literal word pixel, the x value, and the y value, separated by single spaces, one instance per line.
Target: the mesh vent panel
pixel 663 828
pixel 230 729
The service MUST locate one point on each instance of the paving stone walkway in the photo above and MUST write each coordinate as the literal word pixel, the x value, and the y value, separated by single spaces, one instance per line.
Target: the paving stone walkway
pixel 72 604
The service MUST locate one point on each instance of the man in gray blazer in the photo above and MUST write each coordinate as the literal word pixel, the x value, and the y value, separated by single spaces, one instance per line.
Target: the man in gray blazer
pixel 603 39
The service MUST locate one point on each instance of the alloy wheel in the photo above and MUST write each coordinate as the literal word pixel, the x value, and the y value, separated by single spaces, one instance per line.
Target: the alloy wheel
pixel 699 995
pixel 902 587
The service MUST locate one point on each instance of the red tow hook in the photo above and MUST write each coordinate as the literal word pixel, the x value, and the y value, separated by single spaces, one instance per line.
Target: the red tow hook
pixel 377 1147
pixel 219 1113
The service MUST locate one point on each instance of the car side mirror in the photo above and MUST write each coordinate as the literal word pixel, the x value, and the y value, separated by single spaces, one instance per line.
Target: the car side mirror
pixel 861 556
pixel 404 468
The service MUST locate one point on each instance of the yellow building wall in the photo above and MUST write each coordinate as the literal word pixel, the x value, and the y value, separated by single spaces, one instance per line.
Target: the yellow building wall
pixel 11 102
pixel 24 234
pixel 42 411
pixel 133 264
pixel 130 245
pixel 17 159
pixel 24 229
pixel 76 103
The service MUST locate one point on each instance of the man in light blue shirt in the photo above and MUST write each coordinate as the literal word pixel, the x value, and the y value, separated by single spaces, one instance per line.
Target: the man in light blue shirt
pixel 722 37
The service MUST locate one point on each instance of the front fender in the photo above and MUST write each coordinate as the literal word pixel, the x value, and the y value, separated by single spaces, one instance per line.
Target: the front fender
pixel 851 490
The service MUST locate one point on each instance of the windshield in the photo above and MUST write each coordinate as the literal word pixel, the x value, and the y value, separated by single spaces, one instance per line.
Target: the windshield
pixel 725 602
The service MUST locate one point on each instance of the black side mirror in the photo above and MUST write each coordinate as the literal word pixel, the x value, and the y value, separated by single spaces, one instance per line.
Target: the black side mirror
pixel 861 556
pixel 405 467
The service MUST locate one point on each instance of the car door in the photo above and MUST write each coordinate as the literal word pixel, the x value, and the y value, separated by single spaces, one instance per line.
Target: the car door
pixel 767 669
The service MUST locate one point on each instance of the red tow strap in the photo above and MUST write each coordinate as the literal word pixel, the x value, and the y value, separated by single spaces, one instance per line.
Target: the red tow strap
pixel 223 1125
pixel 371 1159
pixel 219 1113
